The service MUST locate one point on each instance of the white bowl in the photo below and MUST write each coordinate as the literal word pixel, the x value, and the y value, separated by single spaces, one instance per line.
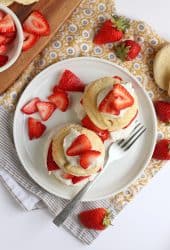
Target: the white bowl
pixel 16 48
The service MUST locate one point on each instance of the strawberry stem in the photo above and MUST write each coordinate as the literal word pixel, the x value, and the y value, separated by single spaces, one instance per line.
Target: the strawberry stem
pixel 120 23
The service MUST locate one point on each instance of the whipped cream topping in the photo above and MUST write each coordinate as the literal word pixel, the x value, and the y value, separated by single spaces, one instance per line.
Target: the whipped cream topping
pixel 102 94
pixel 74 160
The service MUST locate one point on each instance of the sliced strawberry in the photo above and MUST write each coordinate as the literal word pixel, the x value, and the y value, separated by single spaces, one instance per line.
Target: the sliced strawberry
pixel 87 123
pixel 70 82
pixel 45 109
pixel 131 120
pixel 77 179
pixel 60 99
pixel 122 98
pixel 2 14
pixel 35 128
pixel 2 39
pixel 3 60
pixel 3 49
pixel 107 105
pixel 29 41
pixel 88 157
pixel 10 37
pixel 30 107
pixel 117 77
pixel 7 24
pixel 57 89
pixel 79 145
pixel 37 24
pixel 51 165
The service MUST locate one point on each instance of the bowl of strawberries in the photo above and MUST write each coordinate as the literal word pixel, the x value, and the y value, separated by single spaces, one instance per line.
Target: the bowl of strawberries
pixel 11 38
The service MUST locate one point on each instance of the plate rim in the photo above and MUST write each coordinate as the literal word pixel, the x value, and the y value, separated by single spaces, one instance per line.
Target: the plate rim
pixel 116 66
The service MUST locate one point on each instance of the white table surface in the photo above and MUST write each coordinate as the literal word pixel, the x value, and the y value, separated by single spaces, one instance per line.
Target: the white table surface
pixel 144 224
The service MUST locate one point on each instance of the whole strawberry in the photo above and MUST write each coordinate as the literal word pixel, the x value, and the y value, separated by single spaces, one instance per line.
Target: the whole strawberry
pixel 97 219
pixel 162 150
pixel 112 30
pixel 127 50
pixel 163 111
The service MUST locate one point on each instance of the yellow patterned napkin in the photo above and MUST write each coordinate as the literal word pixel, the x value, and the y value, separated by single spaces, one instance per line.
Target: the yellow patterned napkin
pixel 75 39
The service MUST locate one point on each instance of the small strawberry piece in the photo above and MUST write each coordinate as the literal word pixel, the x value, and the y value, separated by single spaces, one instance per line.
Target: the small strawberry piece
pixel 70 82
pixel 162 150
pixel 29 41
pixel 2 39
pixel 97 218
pixel 3 49
pixel 2 14
pixel 51 165
pixel 35 128
pixel 3 60
pixel 112 30
pixel 10 37
pixel 37 24
pixel 117 77
pixel 87 123
pixel 45 109
pixel 79 145
pixel 131 120
pixel 107 105
pixel 127 50
pixel 163 111
pixel 60 99
pixel 122 98
pixel 7 24
pixel 30 107
pixel 77 179
pixel 57 89
pixel 88 157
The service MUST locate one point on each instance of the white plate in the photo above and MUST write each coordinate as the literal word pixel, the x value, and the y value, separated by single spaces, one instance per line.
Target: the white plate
pixel 120 173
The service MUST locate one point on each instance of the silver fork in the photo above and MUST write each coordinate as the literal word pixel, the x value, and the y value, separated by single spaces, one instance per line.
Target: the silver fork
pixel 116 151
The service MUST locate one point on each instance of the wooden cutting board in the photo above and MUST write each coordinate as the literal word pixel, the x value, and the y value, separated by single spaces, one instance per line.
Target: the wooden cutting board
pixel 56 12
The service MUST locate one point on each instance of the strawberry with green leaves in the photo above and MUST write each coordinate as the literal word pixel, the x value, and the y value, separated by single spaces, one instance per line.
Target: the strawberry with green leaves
pixel 96 219
pixel 127 50
pixel 112 30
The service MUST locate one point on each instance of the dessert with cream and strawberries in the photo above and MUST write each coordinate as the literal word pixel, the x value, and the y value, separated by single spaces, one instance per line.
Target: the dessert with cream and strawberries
pixel 74 154
pixel 109 107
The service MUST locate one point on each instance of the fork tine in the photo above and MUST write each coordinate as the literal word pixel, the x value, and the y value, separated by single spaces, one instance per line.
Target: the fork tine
pixel 131 137
pixel 121 141
pixel 133 141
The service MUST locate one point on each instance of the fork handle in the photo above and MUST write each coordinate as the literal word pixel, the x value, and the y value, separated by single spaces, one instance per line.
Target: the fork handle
pixel 62 216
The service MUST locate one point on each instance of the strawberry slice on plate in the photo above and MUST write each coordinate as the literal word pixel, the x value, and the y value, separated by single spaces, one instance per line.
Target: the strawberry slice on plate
pixel 2 39
pixel 37 24
pixel 60 99
pixel 70 82
pixel 122 98
pixel 10 37
pixel 35 128
pixel 88 157
pixel 7 24
pixel 87 123
pixel 3 49
pixel 45 109
pixel 51 165
pixel 3 60
pixel 30 107
pixel 29 41
pixel 107 105
pixel 75 179
pixel 79 145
